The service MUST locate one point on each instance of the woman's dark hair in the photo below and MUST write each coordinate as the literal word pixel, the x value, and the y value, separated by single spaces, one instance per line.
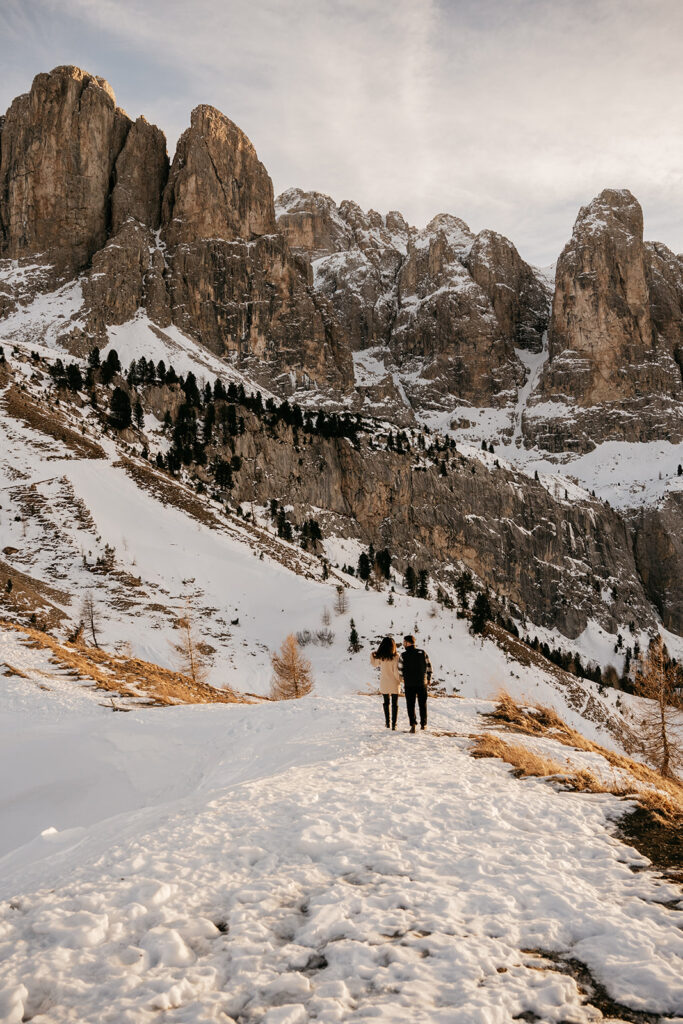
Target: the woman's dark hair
pixel 386 650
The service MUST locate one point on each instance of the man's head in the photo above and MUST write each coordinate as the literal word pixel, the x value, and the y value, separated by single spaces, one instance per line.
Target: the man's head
pixel 409 640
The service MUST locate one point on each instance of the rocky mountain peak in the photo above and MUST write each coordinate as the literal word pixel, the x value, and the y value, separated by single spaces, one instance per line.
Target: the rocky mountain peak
pixel 615 332
pixel 455 231
pixel 519 295
pixel 311 223
pixel 601 310
pixel 217 187
pixel 613 209
pixel 60 143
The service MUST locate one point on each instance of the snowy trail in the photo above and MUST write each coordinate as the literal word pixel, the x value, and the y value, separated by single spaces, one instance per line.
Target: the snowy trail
pixel 392 877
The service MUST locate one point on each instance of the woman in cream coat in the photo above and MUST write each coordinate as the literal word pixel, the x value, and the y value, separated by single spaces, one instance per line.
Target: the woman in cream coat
pixel 386 659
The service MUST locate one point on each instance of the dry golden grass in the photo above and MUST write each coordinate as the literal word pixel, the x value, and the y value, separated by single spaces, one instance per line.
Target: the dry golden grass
pixel 12 670
pixel 662 797
pixel 525 761
pixel 539 720
pixel 21 407
pixel 125 675
pixel 30 596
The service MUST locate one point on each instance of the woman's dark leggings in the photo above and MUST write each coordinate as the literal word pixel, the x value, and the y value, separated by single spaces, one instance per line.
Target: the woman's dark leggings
pixel 394 708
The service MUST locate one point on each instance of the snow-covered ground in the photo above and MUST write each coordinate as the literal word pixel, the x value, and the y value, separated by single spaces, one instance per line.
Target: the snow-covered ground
pixel 282 862
pixel 294 862
pixel 626 474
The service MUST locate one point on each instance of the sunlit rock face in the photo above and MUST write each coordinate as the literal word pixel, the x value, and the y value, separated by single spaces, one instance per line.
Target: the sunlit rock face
pixel 615 333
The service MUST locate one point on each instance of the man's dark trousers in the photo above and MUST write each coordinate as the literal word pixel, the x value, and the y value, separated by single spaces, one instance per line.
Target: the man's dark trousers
pixel 413 692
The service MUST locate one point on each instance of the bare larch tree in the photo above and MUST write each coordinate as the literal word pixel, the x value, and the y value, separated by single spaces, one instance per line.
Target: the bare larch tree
pixel 656 679
pixel 292 674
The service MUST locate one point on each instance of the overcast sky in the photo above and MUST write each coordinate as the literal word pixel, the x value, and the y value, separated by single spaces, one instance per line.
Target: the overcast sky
pixel 509 113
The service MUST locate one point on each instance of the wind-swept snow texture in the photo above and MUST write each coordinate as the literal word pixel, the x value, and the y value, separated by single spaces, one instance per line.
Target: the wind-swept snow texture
pixel 324 869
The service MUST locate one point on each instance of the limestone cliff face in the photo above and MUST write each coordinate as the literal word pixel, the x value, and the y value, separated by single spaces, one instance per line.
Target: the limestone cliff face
pixel 59 147
pixel 217 187
pixel 438 301
pixel 614 333
pixel 601 308
pixel 127 274
pixel 659 557
pixel 85 190
pixel 233 283
pixel 664 272
pixel 141 173
pixel 542 554
pixel 519 298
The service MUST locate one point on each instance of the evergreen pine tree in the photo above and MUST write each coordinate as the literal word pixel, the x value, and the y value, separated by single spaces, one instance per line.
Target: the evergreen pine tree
pixel 464 585
pixel 481 613
pixel 364 566
pixel 410 580
pixel 74 378
pixel 139 414
pixel 120 415
pixel 354 642
pixel 383 562
pixel 423 584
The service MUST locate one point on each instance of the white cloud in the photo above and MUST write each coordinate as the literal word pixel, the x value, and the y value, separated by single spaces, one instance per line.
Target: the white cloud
pixel 510 113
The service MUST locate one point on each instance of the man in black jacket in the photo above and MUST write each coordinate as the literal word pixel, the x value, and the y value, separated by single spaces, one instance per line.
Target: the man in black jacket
pixel 416 672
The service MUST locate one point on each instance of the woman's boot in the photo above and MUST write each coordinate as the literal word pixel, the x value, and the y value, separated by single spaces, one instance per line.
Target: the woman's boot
pixel 386 711
pixel 394 712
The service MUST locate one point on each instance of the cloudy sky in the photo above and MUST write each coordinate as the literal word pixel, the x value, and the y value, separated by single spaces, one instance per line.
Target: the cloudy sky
pixel 509 113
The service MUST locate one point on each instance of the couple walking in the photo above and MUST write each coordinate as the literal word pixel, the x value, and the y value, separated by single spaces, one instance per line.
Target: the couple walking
pixel 412 668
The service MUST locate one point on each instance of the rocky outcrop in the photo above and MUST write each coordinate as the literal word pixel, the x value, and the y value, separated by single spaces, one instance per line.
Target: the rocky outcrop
pixel 311 223
pixel 551 559
pixel 519 298
pixel 251 301
pixel 86 190
pixel 446 334
pixel 59 147
pixel 659 557
pixel 614 333
pixel 233 282
pixel 601 308
pixel 355 258
pixel 438 302
pixel 141 173
pixel 217 187
pixel 127 275
pixel 664 273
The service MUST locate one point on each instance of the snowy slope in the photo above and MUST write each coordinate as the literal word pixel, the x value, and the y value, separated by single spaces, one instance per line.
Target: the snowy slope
pixel 303 864
pixel 281 862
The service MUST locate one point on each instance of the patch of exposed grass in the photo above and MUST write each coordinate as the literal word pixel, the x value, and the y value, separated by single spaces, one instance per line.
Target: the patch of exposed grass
pixel 655 827
pixel 31 596
pixel 126 675
pixel 524 761
pixel 21 407
pixel 12 670
pixel 539 720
